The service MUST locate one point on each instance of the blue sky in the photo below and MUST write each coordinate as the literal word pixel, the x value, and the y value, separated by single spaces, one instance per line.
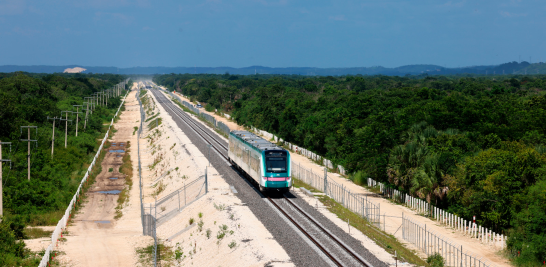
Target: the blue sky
pixel 280 33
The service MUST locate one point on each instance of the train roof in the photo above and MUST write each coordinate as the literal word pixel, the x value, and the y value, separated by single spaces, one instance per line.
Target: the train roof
pixel 256 141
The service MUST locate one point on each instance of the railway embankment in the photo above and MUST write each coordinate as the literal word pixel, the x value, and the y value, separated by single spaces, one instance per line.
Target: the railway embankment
pixel 193 227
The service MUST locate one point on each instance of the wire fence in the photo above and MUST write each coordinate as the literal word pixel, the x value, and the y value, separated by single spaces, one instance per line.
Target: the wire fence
pixel 466 227
pixel 61 225
pixel 432 243
pixel 356 203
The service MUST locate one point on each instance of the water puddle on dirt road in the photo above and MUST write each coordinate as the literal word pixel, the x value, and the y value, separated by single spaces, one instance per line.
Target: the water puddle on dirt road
pixel 103 221
pixel 110 192
pixel 117 151
pixel 113 178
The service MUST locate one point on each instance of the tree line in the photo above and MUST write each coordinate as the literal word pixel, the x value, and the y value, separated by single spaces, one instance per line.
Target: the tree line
pixel 29 99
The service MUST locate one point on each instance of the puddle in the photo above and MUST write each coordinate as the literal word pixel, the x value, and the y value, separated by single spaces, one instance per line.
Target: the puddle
pixel 119 156
pixel 113 144
pixel 102 221
pixel 121 144
pixel 110 192
pixel 117 151
pixel 113 178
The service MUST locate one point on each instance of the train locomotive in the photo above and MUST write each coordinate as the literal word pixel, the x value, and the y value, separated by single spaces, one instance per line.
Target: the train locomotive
pixel 263 161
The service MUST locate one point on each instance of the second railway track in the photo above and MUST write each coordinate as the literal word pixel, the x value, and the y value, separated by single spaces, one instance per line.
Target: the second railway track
pixel 330 245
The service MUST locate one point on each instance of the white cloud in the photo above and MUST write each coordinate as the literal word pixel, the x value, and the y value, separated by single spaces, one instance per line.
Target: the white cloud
pixel 122 18
pixel 12 7
pixel 507 14
pixel 337 18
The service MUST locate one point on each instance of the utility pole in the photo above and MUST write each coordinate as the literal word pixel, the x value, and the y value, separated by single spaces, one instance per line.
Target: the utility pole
pixel 1 189
pixel 29 140
pixel 53 134
pixel 66 126
pixel 89 101
pixel 77 116
pixel 86 114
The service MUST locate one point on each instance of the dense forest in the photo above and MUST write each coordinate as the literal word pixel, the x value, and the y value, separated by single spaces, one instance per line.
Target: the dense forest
pixel 474 145
pixel 29 99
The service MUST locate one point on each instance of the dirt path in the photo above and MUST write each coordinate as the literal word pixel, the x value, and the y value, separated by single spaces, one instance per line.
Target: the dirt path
pixel 95 237
pixel 391 209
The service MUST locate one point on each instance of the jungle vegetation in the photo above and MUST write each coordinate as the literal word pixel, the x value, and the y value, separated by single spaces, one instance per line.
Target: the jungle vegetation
pixel 474 145
pixel 29 99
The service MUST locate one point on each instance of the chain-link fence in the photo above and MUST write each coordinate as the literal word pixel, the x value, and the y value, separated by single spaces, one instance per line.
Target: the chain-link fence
pixel 431 243
pixel 354 202
pixel 223 127
pixel 170 205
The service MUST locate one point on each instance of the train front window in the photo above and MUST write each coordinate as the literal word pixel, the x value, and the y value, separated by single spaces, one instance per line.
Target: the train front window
pixel 275 161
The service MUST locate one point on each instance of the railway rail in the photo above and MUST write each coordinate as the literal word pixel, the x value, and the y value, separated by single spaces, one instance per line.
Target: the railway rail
pixel 336 250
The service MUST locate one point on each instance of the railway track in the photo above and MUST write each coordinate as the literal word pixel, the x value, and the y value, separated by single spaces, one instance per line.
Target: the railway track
pixel 331 246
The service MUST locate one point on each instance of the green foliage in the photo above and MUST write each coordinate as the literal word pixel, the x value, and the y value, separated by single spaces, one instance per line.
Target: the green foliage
pixel 436 260
pixel 28 99
pixel 472 145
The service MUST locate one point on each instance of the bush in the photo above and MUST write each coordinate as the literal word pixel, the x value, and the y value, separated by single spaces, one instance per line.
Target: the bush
pixel 436 260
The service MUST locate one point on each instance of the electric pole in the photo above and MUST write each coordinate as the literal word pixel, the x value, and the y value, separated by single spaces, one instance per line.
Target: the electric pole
pixel 53 134
pixel 66 126
pixel 29 140
pixel 1 189
pixel 89 101
pixel 86 114
pixel 77 116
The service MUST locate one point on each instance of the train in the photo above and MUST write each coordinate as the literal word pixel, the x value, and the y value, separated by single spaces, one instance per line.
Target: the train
pixel 264 162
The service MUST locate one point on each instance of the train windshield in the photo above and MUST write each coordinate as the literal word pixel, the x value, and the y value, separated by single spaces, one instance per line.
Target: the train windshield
pixel 275 161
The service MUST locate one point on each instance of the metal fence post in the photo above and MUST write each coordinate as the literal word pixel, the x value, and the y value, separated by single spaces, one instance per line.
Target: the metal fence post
pixel 325 181
pixel 206 181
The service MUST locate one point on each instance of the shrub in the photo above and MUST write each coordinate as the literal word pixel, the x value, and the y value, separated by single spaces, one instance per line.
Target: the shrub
pixel 436 260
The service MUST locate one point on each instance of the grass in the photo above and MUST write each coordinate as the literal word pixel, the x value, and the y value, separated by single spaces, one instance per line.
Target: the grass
pixel 159 188
pixel 232 244
pixel 31 233
pixel 127 169
pixel 219 207
pixel 154 123
pixel 146 255
pixel 384 240
pixel 135 129
pixel 110 169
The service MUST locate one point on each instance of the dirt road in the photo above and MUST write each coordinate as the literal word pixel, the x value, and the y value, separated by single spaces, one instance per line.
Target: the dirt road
pixel 96 238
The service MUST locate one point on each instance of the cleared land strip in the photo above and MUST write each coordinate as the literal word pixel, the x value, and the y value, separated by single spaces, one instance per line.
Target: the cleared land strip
pixel 96 237
pixel 286 237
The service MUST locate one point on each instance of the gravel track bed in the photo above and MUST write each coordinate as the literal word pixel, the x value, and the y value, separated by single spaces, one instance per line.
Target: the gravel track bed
pixel 299 251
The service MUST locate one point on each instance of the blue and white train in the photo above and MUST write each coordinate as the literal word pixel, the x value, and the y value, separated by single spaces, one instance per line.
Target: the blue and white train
pixel 266 163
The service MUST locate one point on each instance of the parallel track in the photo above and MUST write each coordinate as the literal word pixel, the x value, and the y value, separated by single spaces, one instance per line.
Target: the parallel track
pixel 339 260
